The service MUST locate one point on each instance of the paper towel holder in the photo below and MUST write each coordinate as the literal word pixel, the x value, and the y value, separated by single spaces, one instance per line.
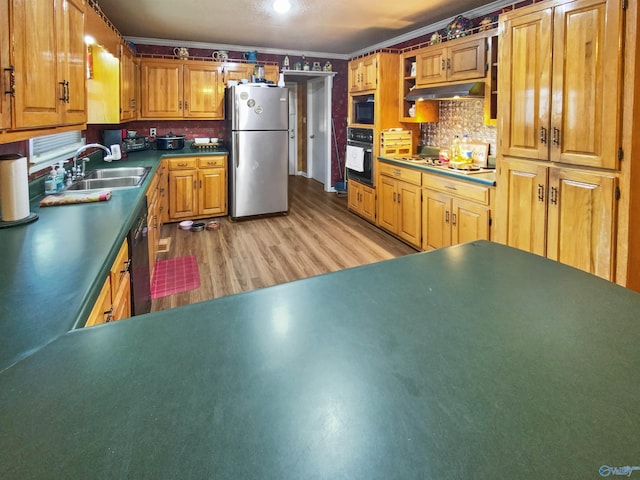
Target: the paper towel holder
pixel 14 191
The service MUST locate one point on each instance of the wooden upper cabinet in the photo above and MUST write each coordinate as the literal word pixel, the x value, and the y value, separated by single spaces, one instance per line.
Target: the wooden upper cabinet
pixel 181 89
pixel 161 88
pixel 586 85
pixel 454 61
pixel 128 84
pixel 237 71
pixel 525 82
pixel 5 111
pixel 560 91
pixel 581 224
pixel 49 63
pixel 38 93
pixel 203 91
pixel 363 74
pixel 74 68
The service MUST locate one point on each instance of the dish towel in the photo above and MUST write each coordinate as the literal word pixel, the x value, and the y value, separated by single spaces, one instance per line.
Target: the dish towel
pixel 70 198
pixel 355 158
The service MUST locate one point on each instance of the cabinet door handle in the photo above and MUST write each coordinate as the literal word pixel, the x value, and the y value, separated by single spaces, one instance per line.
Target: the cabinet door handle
pixel 450 187
pixel 543 135
pixel 443 64
pixel 109 314
pixel 200 183
pixel 394 197
pixel 448 64
pixel 446 216
pixel 453 219
pixel 556 136
pixel 398 198
pixel 180 105
pixel 186 105
pixel 553 198
pixel 183 164
pixel 62 97
pixel 541 192
pixel 12 81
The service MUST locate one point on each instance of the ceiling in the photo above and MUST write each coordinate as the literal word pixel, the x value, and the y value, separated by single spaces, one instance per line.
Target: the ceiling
pixel 331 28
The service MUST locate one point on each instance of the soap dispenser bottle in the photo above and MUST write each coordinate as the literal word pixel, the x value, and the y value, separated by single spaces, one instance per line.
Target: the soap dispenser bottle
pixel 60 177
pixel 50 182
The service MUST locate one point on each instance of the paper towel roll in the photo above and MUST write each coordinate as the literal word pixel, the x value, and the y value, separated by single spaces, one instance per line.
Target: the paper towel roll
pixel 14 187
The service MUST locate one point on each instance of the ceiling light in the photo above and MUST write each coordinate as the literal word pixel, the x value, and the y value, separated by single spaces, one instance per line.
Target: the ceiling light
pixel 281 6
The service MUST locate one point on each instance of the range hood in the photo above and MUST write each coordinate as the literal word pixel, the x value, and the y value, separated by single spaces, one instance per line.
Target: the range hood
pixel 448 92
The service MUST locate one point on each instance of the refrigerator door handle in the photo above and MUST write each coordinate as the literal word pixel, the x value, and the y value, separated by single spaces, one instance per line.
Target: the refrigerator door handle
pixel 236 149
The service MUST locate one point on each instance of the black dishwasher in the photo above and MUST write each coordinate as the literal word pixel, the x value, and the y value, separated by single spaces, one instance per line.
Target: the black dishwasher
pixel 139 253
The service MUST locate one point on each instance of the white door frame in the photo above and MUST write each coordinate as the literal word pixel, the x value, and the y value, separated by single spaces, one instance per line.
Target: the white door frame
pixel 311 117
pixel 299 76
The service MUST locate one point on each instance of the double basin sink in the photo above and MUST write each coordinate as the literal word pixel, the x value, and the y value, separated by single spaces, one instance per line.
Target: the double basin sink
pixel 110 178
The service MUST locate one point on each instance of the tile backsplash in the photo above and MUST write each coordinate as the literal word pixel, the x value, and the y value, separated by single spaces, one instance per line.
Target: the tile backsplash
pixel 458 117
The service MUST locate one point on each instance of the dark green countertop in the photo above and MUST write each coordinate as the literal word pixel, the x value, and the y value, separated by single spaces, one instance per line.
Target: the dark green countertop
pixel 472 362
pixel 486 178
pixel 53 268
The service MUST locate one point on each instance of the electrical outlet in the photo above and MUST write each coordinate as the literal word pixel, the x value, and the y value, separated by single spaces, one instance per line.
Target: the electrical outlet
pixel 152 132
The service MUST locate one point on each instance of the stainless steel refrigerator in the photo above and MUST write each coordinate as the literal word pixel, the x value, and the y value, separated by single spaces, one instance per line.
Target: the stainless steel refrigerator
pixel 258 118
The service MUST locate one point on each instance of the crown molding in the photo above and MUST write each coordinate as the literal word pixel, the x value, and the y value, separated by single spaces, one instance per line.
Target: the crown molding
pixel 474 13
pixel 433 27
pixel 234 48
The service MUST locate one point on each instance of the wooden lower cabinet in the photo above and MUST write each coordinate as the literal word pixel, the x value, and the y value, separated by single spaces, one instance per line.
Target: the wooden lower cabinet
pixel 399 202
pixel 566 214
pixel 581 219
pixel 114 300
pixel 452 218
pixel 361 199
pixel 197 187
pixel 448 221
pixel 157 197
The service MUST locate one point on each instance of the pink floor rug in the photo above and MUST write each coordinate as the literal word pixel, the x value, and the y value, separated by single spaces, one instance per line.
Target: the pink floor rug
pixel 175 275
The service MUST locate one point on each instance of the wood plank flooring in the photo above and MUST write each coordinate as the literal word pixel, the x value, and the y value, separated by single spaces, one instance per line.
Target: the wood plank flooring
pixel 319 235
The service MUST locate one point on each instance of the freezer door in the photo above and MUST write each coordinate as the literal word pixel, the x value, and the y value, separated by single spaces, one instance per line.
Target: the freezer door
pixel 259 108
pixel 258 173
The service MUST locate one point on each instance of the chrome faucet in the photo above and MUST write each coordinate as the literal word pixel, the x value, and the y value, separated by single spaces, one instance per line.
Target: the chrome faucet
pixel 79 173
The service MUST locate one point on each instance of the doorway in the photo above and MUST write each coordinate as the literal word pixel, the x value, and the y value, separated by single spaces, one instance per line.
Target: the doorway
pixel 310 126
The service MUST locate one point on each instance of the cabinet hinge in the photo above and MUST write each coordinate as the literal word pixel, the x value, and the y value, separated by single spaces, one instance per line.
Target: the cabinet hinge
pixel 617 193
pixel 620 154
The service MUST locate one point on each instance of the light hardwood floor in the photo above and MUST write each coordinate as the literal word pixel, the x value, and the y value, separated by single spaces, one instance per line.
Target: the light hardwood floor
pixel 319 235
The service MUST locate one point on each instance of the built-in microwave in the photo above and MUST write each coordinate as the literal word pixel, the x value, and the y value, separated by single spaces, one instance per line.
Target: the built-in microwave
pixel 363 109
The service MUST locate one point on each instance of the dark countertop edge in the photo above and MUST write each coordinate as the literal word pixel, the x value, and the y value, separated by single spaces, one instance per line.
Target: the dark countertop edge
pixel 439 171
pixel 150 158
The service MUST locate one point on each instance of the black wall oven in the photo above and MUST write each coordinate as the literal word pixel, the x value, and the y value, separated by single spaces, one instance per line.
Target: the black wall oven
pixel 363 138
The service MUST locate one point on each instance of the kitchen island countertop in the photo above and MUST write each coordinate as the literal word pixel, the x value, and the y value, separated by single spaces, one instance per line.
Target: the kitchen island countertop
pixel 54 268
pixel 475 361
